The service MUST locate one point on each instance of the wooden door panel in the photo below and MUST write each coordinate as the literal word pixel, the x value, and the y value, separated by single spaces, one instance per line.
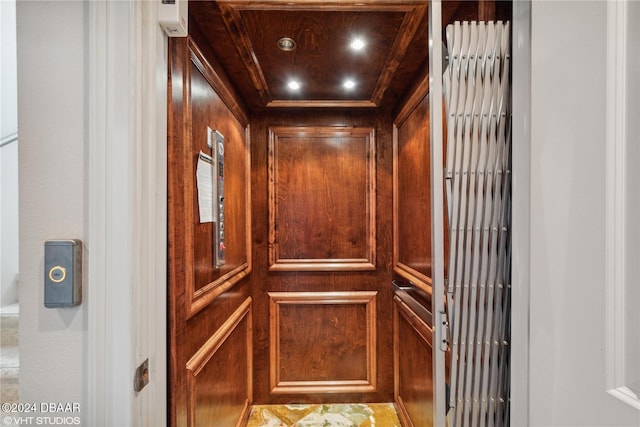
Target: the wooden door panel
pixel 322 256
pixel 413 339
pixel 412 192
pixel 207 109
pixel 219 374
pixel 209 308
pixel 322 212
pixel 334 347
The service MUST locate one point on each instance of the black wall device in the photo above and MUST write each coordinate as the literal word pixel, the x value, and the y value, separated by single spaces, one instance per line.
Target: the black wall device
pixel 62 273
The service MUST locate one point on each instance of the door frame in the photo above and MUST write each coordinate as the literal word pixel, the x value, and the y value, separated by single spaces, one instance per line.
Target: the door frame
pixel 126 212
pixel 521 178
pixel 437 214
pixel 146 329
pixel 521 211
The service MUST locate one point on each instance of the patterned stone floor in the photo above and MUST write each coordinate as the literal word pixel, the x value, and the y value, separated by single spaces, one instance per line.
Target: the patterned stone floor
pixel 334 415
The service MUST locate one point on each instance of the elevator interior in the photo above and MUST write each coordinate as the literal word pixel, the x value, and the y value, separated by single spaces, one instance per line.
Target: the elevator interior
pixel 286 295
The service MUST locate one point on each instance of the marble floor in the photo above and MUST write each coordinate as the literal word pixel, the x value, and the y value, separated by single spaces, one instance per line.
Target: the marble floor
pixel 325 415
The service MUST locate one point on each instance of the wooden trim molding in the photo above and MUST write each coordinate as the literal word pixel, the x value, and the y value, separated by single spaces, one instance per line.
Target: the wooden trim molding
pixel 368 259
pixel 408 273
pixel 199 298
pixel 386 5
pixel 417 94
pixel 414 12
pixel 219 83
pixel 202 297
pixel 413 276
pixel 201 358
pixel 409 27
pixel 329 103
pixel 359 385
pixel 235 25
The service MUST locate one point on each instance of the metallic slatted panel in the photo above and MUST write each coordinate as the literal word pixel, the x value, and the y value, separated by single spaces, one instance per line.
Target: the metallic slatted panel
pixel 478 191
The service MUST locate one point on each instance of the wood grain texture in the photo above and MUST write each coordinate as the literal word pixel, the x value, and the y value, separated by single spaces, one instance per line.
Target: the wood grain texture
pixel 486 10
pixel 238 31
pixel 244 35
pixel 222 397
pixel 320 5
pixel 196 308
pixel 412 197
pixel 322 186
pixel 209 84
pixel 180 266
pixel 413 366
pixel 202 58
pixel 265 281
pixel 323 342
pixel 207 110
pixel 408 30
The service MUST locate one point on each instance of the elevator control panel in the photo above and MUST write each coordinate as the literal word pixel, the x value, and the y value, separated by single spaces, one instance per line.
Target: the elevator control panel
pixel 62 273
pixel 216 143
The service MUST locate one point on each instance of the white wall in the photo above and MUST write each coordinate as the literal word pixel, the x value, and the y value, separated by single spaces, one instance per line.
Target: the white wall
pixel 8 156
pixel 567 218
pixel 92 94
pixel 9 224
pixel 51 118
pixel 521 210
pixel 632 228
pixel 8 100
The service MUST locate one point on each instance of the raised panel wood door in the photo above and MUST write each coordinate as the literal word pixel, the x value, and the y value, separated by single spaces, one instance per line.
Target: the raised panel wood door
pixel 322 268
pixel 322 188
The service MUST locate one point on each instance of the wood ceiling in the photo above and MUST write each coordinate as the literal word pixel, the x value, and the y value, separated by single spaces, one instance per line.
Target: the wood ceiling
pixel 243 36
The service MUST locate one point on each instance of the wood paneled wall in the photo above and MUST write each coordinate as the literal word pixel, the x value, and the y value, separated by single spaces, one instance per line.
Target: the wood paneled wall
pixel 413 338
pixel 322 187
pixel 342 325
pixel 325 333
pixel 412 194
pixel 210 310
pixel 218 396
pixel 303 309
pixel 413 335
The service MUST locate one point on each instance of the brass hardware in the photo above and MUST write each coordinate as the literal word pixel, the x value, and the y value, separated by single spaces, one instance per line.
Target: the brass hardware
pixel 142 376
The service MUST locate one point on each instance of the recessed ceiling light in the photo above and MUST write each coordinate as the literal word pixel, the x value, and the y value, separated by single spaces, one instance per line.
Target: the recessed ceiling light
pixel 357 44
pixel 294 85
pixel 349 84
pixel 286 44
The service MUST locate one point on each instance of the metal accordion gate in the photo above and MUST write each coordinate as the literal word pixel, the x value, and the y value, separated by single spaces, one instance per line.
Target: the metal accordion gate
pixel 478 198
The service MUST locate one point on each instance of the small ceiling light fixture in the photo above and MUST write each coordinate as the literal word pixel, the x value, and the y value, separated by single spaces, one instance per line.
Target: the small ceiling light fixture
pixel 357 43
pixel 286 44
pixel 293 85
pixel 349 84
